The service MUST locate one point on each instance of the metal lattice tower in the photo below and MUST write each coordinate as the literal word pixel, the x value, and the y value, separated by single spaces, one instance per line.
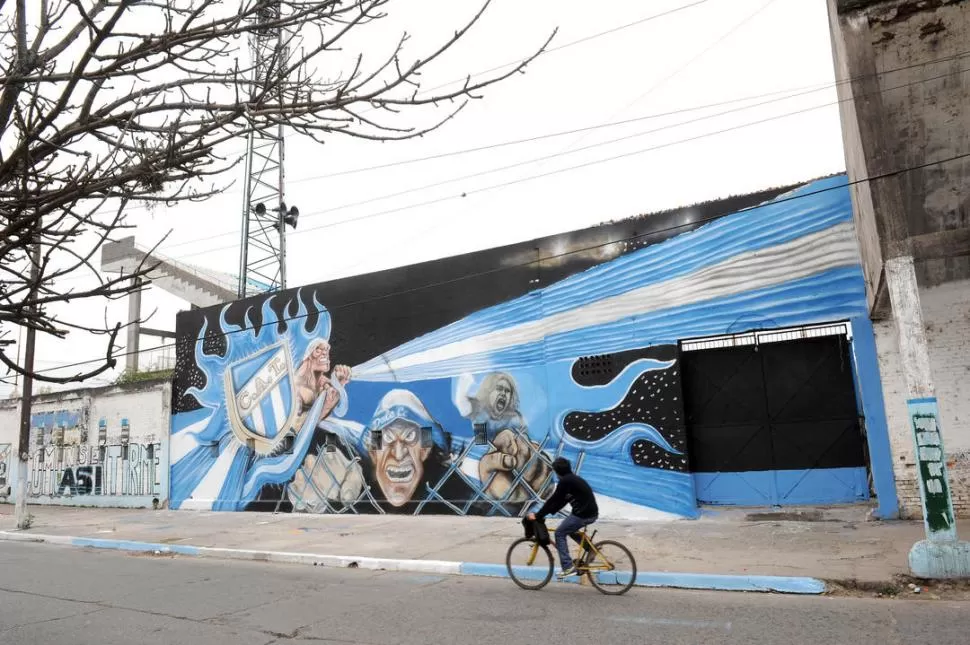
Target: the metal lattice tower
pixel 262 262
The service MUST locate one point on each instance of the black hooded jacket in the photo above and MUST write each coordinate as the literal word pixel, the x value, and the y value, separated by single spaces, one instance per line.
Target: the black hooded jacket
pixel 574 490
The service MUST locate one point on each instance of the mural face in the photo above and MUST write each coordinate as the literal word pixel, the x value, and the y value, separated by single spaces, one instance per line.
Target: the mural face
pixel 395 445
pixel 466 418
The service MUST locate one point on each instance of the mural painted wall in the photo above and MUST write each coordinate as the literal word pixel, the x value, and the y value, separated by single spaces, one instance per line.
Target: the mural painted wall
pixel 99 447
pixel 276 406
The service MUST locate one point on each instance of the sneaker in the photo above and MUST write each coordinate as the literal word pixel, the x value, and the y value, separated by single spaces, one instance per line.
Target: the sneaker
pixel 571 571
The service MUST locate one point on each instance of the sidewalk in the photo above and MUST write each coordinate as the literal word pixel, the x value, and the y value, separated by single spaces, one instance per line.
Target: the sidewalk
pixel 838 545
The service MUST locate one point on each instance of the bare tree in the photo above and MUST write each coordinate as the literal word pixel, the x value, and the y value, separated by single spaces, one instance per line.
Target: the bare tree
pixel 106 103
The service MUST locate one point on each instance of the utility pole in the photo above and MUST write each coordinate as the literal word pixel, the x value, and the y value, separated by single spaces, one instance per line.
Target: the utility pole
pixel 26 398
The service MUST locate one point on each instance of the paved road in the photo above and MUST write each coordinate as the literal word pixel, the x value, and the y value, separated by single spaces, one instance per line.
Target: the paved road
pixel 54 595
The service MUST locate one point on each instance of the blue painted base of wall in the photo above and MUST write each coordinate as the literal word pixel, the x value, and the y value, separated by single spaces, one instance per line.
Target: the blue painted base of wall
pixel 783 487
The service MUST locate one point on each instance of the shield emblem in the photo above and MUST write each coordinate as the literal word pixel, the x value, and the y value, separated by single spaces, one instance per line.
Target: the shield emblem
pixel 262 403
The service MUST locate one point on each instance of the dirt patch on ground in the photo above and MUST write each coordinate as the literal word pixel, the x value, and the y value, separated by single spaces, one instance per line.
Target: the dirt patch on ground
pixel 786 516
pixel 152 554
pixel 901 588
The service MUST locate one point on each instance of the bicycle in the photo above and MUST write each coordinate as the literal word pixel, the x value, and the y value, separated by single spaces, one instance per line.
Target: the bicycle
pixel 598 562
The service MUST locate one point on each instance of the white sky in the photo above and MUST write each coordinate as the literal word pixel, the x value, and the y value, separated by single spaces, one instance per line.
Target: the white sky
pixel 720 50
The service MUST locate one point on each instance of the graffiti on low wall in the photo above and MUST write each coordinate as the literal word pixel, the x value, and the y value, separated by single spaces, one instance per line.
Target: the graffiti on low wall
pixel 5 451
pixel 65 461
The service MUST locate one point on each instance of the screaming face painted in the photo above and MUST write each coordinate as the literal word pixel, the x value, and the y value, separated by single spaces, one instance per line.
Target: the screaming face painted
pixel 399 443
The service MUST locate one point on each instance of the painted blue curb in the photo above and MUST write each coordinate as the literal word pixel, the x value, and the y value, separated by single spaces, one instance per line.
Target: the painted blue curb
pixel 724 582
pixel 713 582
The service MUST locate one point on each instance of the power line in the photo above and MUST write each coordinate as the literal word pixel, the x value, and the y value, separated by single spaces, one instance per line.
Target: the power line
pixel 531 139
pixel 790 93
pixel 562 170
pixel 667 229
pixel 579 166
pixel 493 170
pixel 548 51
pixel 584 39
pixel 683 67
pixel 431 202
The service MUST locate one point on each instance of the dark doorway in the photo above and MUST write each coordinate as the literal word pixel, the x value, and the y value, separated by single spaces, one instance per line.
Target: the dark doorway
pixel 772 418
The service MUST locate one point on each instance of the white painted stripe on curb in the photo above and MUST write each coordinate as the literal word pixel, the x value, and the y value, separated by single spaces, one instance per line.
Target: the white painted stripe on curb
pixel 342 561
pixel 36 537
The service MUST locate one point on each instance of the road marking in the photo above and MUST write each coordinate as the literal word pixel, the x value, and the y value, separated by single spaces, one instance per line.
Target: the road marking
pixel 672 622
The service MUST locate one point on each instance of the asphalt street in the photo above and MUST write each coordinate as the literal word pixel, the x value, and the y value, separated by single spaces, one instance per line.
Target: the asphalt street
pixel 52 595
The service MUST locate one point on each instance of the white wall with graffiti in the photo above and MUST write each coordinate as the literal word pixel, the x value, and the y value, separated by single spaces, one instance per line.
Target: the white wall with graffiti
pixel 92 447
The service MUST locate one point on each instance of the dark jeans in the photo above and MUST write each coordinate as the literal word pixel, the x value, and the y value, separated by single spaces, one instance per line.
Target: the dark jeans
pixel 568 526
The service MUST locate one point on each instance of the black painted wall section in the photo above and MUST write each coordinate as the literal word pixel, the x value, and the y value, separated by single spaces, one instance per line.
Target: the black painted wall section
pixel 376 312
pixel 654 399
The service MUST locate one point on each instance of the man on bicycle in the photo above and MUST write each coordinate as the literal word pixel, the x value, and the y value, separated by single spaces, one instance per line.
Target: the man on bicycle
pixel 574 490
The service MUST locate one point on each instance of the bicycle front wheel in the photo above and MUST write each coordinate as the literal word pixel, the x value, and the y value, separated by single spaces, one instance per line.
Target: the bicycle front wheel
pixel 611 568
pixel 529 564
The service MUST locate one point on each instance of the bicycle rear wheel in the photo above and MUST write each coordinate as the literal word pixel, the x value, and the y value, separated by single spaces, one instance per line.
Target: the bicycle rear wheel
pixel 529 564
pixel 611 568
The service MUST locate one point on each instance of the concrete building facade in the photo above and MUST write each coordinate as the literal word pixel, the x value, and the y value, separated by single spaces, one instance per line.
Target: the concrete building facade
pixel 903 70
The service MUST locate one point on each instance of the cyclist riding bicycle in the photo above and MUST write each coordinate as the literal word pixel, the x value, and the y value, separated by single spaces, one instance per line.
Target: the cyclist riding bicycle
pixel 574 490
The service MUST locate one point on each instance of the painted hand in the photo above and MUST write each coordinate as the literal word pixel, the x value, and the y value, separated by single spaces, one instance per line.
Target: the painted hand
pixel 331 397
pixel 341 373
pixel 328 478
pixel 510 454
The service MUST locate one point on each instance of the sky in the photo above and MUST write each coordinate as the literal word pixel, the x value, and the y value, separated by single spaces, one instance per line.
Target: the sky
pixel 764 65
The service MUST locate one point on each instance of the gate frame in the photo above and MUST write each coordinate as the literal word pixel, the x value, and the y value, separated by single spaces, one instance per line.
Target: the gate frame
pixel 868 392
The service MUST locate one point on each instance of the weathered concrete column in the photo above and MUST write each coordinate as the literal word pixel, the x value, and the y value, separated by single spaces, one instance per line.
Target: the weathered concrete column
pixel 941 554
pixel 134 328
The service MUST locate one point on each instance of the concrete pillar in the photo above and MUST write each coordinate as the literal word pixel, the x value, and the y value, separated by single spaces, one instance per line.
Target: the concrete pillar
pixel 134 327
pixel 941 554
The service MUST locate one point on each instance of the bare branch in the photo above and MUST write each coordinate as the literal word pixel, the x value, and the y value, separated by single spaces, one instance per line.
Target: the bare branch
pixel 108 103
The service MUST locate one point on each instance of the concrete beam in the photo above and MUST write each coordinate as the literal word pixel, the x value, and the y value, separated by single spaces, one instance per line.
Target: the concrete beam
pixel 904 8
pixel 149 331
pixel 203 288
pixel 845 6
pixel 881 308
pixel 934 246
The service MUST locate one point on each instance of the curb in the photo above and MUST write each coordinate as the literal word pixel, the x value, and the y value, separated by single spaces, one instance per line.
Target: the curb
pixel 711 582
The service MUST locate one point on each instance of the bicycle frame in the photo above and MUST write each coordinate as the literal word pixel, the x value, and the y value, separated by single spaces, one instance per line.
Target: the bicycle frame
pixel 587 553
pixel 585 544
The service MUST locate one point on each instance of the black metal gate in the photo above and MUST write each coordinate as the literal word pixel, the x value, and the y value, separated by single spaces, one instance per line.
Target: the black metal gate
pixel 772 418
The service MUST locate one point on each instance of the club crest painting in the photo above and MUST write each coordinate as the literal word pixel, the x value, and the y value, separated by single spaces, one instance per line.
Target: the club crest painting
pixel 398 393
